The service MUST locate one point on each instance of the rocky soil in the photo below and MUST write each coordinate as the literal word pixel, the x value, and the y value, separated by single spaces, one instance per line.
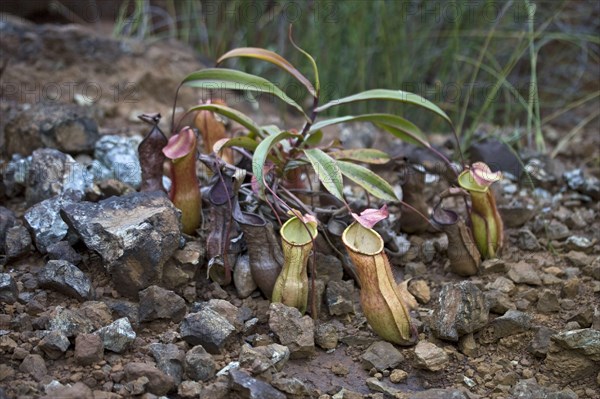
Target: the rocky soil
pixel 102 297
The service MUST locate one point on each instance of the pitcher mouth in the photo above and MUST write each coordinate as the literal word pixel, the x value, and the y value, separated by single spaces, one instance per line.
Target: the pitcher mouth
pixel 294 232
pixel 362 240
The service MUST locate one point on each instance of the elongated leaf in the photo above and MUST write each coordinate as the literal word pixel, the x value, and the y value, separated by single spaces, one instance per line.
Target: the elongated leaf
pixel 397 125
pixel 230 79
pixel 314 138
pixel 327 170
pixel 261 153
pixel 241 141
pixel 273 58
pixel 390 95
pixel 231 113
pixel 366 155
pixel 368 180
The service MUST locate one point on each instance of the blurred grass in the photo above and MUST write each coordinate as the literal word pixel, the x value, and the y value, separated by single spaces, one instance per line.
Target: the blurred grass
pixel 510 63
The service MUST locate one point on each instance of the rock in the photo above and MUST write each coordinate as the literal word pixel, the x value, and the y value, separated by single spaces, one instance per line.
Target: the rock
pixel 169 359
pixel 502 284
pixel 44 221
pixel 490 266
pixel 62 250
pixel 339 297
pixel 585 341
pixel 262 358
pixel 190 389
pixel 415 269
pixel 7 220
pixel 511 323
pixel 251 388
pixel 199 365
pixel 117 336
pixel 89 349
pixel 571 288
pixel 527 241
pixel 18 242
pixel 499 302
pixel 579 243
pixel 319 296
pixel 97 313
pixel 69 322
pixel 326 336
pixel 420 290
pixel 242 277
pixel 381 355
pixel 548 302
pixel 578 259
pixel 292 386
pixel 437 393
pixel 54 344
pixel 134 235
pixel 119 155
pixel 235 316
pixel 158 303
pixel 8 289
pixel 207 328
pixel 35 366
pixel 541 341
pixel 53 173
pixel 77 391
pixel 66 127
pixel 379 386
pixel 430 357
pixel 524 273
pixel 292 330
pixel 329 268
pixel 159 383
pixel 461 309
pixel 557 231
pixel 468 346
pixel 397 376
pixel 62 276
pixel 516 213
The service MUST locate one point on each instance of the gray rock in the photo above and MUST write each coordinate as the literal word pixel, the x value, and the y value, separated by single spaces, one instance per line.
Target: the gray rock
pixel 89 349
pixel 35 366
pixel 199 365
pixel 292 386
pixel 236 316
pixel 67 127
pixel 585 341
pixel 207 328
pixel 430 357
pixel 548 302
pixel 190 389
pixel 18 242
pixel 415 269
pixel 159 383
pixel 69 322
pixel 8 219
pixel 158 303
pixel 461 309
pixel 516 213
pixel 527 241
pixel 262 358
pixel 251 388
pixel 329 268
pixel 326 336
pixel 44 221
pixel 117 336
pixel 541 342
pixel 511 323
pixel 8 289
pixel 169 359
pixel 54 344
pixel 437 393
pixel 503 285
pixel 242 277
pixel 62 250
pixel 499 302
pixel 490 266
pixel 53 173
pixel 66 278
pixel 134 234
pixel 292 330
pixel 524 273
pixel 14 175
pixel 379 386
pixel 557 231
pixel 120 156
pixel 579 243
pixel 381 355
pixel 339 297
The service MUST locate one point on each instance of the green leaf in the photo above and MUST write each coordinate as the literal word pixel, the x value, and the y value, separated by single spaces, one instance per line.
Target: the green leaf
pixel 397 125
pixel 242 142
pixel 327 170
pixel 231 113
pixel 314 138
pixel 368 180
pixel 273 58
pixel 261 153
pixel 390 95
pixel 366 155
pixel 230 79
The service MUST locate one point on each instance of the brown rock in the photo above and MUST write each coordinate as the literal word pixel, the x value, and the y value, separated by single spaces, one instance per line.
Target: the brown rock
pixel 89 349
pixel 159 383
pixel 35 366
